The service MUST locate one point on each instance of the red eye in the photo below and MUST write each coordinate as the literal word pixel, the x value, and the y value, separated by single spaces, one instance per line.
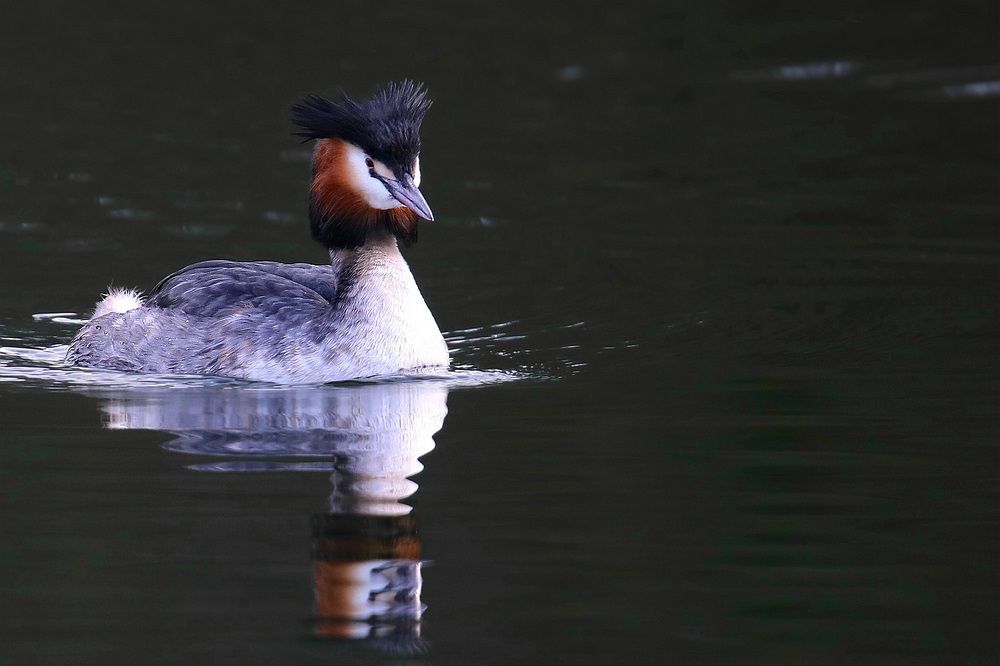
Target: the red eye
pixel 369 163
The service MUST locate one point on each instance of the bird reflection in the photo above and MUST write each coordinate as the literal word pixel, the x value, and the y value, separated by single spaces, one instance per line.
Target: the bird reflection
pixel 366 547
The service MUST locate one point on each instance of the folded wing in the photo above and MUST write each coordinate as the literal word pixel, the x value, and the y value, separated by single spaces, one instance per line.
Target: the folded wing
pixel 219 288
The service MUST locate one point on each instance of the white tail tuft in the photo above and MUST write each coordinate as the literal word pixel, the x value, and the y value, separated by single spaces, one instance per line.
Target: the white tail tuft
pixel 118 300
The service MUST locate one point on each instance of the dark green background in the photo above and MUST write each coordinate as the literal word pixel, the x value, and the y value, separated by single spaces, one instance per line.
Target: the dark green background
pixel 761 319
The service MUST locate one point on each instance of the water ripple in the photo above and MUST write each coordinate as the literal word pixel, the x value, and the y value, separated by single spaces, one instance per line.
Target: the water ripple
pixel 46 366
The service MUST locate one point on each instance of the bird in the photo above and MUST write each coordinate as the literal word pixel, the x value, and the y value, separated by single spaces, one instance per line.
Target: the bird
pixel 360 316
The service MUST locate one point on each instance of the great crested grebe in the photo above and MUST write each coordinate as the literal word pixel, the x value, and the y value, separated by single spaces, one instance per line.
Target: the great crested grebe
pixel 360 316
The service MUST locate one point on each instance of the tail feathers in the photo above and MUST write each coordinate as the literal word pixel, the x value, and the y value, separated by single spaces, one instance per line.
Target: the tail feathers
pixel 118 299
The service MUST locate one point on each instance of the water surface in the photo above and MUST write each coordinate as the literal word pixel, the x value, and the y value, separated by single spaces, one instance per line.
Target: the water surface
pixel 739 262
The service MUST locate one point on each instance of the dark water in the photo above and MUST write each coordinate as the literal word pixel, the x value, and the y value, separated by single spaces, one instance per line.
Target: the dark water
pixel 742 259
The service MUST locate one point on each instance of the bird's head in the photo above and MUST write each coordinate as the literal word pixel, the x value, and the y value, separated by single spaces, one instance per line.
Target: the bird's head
pixel 366 164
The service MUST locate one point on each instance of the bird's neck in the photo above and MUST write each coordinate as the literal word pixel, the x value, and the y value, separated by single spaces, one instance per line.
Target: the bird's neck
pixel 375 275
pixel 350 260
pixel 383 317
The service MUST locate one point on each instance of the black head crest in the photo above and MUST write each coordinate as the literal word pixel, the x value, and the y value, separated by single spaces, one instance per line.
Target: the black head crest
pixel 387 126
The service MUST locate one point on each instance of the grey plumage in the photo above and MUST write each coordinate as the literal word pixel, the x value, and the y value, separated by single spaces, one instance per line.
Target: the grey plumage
pixel 360 316
pixel 213 288
pixel 202 318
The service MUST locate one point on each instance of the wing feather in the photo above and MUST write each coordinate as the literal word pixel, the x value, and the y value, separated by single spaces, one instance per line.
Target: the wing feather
pixel 217 288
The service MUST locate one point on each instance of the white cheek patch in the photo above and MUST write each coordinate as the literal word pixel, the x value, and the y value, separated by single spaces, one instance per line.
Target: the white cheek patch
pixel 370 189
pixel 416 172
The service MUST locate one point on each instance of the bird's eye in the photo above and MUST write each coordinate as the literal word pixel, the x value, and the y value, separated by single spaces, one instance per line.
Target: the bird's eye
pixel 371 166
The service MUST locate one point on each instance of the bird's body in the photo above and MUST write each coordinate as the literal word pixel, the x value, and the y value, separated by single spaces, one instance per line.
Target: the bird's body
pixel 359 316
